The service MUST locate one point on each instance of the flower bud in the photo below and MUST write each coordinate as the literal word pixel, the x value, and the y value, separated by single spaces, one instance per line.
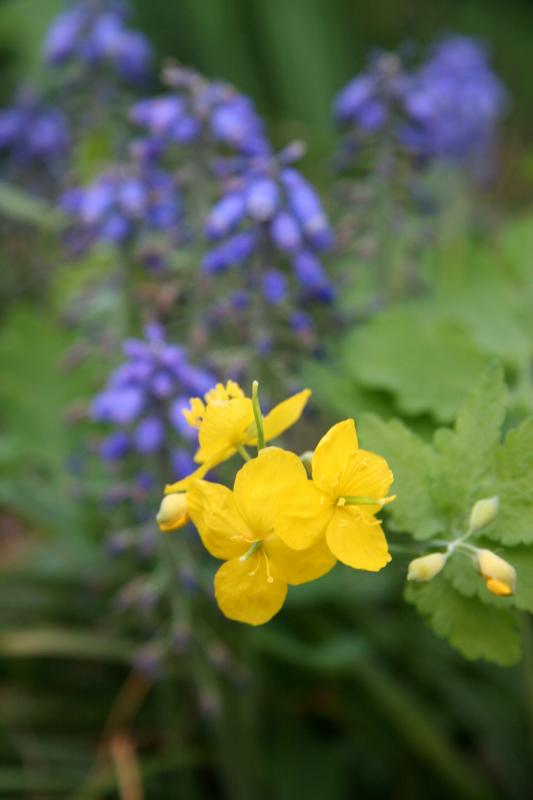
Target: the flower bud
pixel 426 567
pixel 173 512
pixel 483 512
pixel 498 574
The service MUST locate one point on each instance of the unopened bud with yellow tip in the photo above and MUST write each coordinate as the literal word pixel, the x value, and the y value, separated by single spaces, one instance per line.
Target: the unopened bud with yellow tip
pixel 173 512
pixel 425 568
pixel 483 513
pixel 498 574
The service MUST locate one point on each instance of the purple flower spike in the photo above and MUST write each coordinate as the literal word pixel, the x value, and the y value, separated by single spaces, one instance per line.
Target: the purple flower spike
pixel 34 134
pixel 145 396
pixel 96 34
pixel 123 203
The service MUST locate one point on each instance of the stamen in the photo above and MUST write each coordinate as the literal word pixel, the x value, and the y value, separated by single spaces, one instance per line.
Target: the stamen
pixel 270 579
pixel 251 574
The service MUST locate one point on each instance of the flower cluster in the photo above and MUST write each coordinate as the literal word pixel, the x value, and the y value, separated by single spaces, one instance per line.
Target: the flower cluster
pixel 32 132
pixel 198 110
pixel 371 100
pixel 499 576
pixel 278 526
pixel 95 33
pixel 145 396
pixel 120 203
pixel 267 211
pixel 453 102
pixel 446 108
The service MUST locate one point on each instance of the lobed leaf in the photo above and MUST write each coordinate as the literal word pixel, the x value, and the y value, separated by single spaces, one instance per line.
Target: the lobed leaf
pixel 412 461
pixel 476 629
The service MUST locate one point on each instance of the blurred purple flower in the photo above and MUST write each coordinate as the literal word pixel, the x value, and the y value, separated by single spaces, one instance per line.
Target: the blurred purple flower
pixel 145 395
pixel 198 109
pixel 96 33
pixel 121 203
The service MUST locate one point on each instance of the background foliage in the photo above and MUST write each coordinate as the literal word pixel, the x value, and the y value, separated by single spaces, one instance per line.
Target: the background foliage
pixel 349 692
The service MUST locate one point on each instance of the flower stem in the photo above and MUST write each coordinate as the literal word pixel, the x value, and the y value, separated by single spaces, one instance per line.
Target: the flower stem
pixel 258 416
pixel 244 452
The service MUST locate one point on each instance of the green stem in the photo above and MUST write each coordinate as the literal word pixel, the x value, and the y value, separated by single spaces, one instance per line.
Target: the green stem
pixel 258 416
pixel 244 452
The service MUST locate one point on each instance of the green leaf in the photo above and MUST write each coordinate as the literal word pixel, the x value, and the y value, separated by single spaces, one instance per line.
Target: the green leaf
pixel 412 462
pixel 462 573
pixel 428 365
pixel 18 205
pixel 476 629
pixel 513 483
pixel 467 452
pixel 339 395
pixel 522 560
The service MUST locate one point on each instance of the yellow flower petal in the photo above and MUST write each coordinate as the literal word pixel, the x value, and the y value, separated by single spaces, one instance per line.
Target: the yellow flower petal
pixel 224 428
pixel 298 566
pixel 195 413
pixel 221 528
pixel 283 416
pixel 498 587
pixel 332 454
pixel 304 515
pixel 368 475
pixel 357 539
pixel 224 392
pixel 247 592
pixel 260 483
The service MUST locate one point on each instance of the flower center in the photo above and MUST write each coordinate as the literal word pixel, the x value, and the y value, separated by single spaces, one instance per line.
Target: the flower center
pixel 256 547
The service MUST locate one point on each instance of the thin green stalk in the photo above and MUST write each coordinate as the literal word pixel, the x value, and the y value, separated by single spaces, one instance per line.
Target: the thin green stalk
pixel 244 452
pixel 258 416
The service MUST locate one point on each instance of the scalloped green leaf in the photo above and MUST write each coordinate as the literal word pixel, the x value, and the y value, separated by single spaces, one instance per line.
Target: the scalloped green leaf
pixel 427 364
pixel 467 452
pixel 477 630
pixel 513 483
pixel 412 461
pixel 522 560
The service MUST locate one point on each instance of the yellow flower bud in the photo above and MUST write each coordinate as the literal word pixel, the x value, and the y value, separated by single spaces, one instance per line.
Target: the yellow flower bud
pixel 498 574
pixel 426 567
pixel 173 512
pixel 483 512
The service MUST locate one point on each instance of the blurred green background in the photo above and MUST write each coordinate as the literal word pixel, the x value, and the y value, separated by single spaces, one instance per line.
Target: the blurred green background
pixel 383 708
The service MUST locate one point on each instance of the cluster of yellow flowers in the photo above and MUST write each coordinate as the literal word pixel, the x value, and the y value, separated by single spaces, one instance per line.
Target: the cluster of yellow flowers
pixel 279 526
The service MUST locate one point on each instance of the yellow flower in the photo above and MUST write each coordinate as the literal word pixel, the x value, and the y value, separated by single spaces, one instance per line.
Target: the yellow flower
pixel 225 421
pixel 498 574
pixel 348 487
pixel 238 527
